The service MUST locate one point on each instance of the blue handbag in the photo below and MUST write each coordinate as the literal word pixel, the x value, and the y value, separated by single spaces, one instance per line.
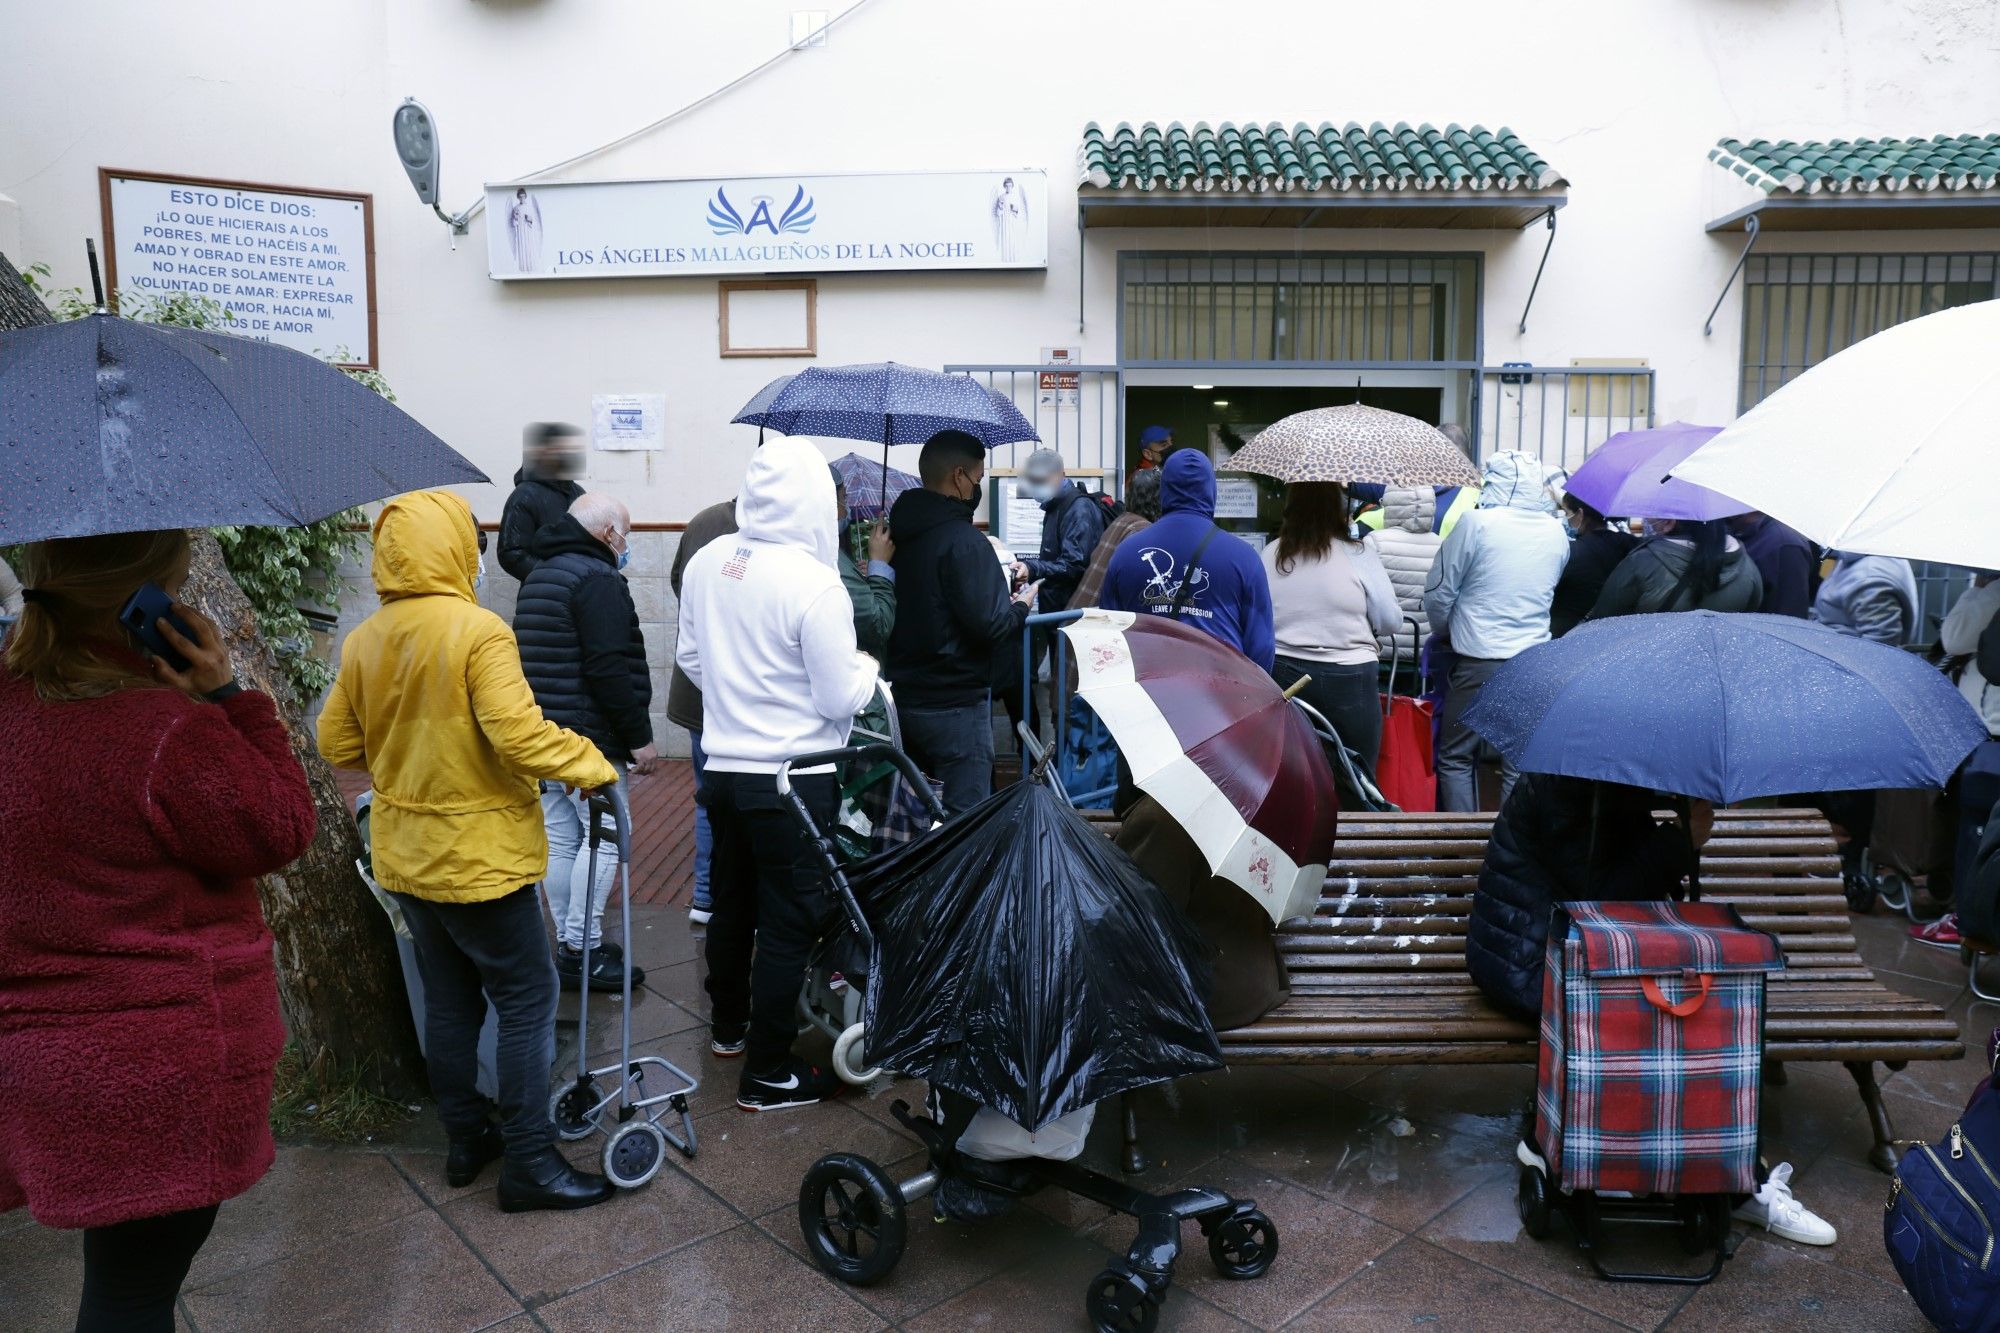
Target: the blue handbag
pixel 1943 1212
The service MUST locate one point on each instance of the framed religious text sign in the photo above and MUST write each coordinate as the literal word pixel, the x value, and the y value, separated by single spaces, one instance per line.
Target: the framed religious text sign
pixel 292 266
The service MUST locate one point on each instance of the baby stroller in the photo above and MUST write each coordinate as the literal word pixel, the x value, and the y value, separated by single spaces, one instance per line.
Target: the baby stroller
pixel 635 1146
pixel 854 1216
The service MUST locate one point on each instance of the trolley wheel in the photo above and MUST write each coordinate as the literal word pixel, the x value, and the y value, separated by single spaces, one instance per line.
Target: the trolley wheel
pixel 848 1052
pixel 1121 1301
pixel 1531 1200
pixel 634 1154
pixel 852 1217
pixel 1861 889
pixel 1243 1245
pixel 1704 1222
pixel 571 1109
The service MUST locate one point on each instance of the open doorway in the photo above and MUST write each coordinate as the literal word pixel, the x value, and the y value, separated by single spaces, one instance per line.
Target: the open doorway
pixel 1221 418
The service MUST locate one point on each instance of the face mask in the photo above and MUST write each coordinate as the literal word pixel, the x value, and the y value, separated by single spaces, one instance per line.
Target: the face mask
pixel 479 577
pixel 971 502
pixel 1043 493
pixel 625 557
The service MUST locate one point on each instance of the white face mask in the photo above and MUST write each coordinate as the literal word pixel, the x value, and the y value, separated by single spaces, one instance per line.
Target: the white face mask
pixel 479 576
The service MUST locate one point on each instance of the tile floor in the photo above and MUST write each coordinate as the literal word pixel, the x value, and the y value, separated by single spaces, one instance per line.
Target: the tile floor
pixel 1392 1189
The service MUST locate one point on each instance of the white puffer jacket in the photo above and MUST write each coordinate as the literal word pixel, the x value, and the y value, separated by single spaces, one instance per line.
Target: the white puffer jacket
pixel 1408 548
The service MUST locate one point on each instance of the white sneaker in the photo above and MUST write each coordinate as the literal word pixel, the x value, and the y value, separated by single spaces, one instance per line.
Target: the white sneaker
pixel 1525 1154
pixel 1773 1208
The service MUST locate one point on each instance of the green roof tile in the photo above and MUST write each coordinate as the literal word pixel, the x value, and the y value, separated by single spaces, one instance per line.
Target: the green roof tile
pixel 1335 158
pixel 1855 166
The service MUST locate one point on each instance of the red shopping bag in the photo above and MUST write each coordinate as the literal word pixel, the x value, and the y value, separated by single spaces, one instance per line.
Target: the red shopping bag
pixel 1405 770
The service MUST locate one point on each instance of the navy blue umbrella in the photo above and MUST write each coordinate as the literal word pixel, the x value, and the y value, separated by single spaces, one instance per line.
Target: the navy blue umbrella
pixel 886 402
pixel 107 425
pixel 1726 707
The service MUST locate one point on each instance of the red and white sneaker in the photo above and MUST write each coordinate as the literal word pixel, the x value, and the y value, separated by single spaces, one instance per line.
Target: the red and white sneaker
pixel 1942 932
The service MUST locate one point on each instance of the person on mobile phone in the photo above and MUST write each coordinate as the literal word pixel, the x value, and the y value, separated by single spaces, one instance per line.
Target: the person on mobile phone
pixel 431 702
pixel 138 802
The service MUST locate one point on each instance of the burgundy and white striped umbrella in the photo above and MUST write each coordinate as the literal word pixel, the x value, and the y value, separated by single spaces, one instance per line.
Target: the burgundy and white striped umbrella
pixel 1211 738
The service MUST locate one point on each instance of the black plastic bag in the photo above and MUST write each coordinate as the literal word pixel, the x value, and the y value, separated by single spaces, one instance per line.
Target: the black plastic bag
pixel 1023 960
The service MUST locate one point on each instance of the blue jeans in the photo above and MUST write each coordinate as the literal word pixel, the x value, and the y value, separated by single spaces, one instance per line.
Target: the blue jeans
pixel 704 836
pixel 566 817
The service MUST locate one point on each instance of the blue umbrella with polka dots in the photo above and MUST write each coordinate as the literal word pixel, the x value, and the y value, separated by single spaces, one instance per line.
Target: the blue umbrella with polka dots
pixel 109 425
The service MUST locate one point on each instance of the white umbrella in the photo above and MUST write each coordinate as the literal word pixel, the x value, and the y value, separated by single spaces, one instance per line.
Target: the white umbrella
pixel 1891 447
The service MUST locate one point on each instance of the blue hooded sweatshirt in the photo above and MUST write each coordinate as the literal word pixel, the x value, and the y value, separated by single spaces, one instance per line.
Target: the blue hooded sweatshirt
pixel 1231 598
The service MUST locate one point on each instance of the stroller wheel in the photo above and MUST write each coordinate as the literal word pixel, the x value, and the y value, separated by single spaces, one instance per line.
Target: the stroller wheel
pixel 848 1052
pixel 1243 1245
pixel 1531 1200
pixel 635 1154
pixel 1120 1301
pixel 572 1109
pixel 852 1216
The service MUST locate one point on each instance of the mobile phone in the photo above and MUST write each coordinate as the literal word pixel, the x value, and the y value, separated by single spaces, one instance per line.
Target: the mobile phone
pixel 141 614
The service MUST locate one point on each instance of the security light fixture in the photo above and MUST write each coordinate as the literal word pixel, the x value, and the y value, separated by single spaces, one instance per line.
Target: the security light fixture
pixel 1203 388
pixel 1222 402
pixel 417 146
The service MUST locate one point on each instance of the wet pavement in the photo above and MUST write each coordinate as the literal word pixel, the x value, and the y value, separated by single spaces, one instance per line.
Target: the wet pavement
pixel 1392 1189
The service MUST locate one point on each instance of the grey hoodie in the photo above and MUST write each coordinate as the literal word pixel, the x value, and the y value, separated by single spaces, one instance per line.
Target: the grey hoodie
pixel 1870 597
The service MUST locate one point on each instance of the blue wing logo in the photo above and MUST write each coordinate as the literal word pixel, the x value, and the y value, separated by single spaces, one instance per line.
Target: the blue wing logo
pixel 796 218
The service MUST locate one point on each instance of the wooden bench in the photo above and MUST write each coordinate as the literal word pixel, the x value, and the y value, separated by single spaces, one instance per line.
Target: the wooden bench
pixel 1379 977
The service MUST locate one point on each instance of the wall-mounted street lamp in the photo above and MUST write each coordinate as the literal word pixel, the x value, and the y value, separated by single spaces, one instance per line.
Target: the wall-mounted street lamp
pixel 417 146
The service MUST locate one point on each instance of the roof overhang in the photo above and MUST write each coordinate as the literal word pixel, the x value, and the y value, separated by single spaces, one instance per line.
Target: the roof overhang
pixel 1903 210
pixel 1462 210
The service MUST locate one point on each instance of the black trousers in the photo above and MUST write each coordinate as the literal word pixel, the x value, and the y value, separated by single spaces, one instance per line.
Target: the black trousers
pixel 1350 697
pixel 132 1271
pixel 771 902
pixel 468 954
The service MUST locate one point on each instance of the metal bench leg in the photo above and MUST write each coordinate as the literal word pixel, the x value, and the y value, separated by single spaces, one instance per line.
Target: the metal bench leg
pixel 1883 1156
pixel 1135 1156
pixel 1972 961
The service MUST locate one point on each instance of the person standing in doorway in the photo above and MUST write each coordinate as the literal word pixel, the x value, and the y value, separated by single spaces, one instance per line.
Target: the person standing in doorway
pixel 1071 524
pixel 767 634
pixel 552 458
pixel 1489 594
pixel 430 702
pixel 1331 603
pixel 684 700
pixel 583 655
pixel 953 613
pixel 1155 443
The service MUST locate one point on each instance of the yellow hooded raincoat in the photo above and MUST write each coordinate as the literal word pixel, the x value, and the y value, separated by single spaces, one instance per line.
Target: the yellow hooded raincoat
pixel 430 700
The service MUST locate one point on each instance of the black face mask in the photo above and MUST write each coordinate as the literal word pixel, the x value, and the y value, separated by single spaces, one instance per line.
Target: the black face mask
pixel 971 502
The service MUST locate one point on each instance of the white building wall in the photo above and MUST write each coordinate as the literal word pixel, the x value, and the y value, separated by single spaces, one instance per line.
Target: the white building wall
pixel 1624 99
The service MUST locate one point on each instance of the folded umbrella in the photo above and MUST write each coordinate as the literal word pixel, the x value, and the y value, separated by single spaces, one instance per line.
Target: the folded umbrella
pixel 1885 448
pixel 1726 707
pixel 1024 961
pixel 1626 476
pixel 1211 738
pixel 1354 442
pixel 109 425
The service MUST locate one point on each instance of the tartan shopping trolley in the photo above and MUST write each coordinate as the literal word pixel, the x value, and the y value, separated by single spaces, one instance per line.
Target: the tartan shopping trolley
pixel 1652 1053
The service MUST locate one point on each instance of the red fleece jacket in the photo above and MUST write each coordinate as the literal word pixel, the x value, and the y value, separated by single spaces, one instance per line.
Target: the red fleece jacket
pixel 139 1019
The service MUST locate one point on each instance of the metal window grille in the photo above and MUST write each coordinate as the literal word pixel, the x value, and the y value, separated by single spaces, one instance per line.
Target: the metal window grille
pixel 1798 310
pixel 1316 309
pixel 1086 428
pixel 1560 413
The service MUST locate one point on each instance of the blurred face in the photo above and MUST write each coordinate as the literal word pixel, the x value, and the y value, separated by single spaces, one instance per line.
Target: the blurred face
pixel 561 458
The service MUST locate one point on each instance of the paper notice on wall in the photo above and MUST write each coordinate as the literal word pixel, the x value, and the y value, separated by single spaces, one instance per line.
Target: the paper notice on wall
pixel 628 420
pixel 1020 519
pixel 1235 497
pixel 1256 540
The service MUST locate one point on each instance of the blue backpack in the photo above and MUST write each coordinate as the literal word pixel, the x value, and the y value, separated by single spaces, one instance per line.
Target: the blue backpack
pixel 1943 1222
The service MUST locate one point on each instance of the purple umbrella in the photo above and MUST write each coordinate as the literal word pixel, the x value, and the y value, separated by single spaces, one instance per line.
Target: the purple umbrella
pixel 1626 476
pixel 869 491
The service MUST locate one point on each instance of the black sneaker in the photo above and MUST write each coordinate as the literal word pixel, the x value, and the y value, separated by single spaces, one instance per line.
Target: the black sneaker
pixel 794 1083
pixel 728 1039
pixel 607 968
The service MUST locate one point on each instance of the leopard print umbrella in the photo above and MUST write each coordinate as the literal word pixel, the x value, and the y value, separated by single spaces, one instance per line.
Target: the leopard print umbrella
pixel 1354 442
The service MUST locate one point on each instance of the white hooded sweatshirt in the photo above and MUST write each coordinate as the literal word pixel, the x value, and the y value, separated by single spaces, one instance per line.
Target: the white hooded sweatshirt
pixel 766 628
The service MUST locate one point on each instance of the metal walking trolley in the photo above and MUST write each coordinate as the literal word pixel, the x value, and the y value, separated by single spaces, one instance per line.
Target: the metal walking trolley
pixel 635 1145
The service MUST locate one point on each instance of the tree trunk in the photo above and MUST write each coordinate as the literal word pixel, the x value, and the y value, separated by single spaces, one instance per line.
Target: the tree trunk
pixel 338 972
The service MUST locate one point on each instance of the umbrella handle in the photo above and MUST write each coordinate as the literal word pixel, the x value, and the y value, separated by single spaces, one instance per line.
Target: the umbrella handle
pixel 1292 690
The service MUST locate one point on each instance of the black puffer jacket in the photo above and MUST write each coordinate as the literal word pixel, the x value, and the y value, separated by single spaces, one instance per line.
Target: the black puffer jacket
pixel 1977 896
pixel 1540 855
pixel 952 608
pixel 580 644
pixel 533 504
